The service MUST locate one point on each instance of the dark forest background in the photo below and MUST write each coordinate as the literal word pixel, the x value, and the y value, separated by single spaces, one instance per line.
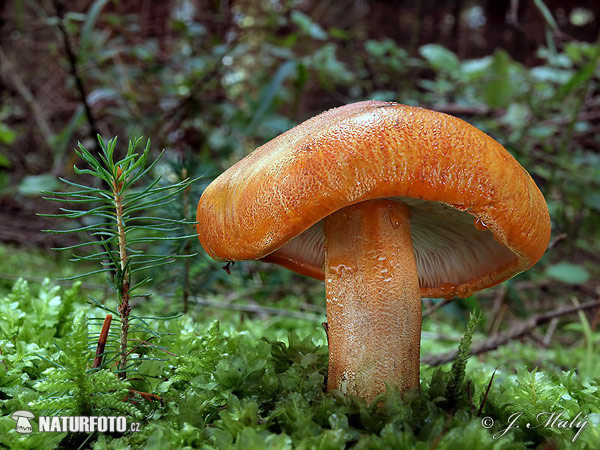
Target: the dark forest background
pixel 214 79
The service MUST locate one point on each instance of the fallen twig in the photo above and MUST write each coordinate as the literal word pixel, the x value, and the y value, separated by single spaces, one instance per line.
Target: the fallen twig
pixel 146 396
pixel 74 70
pixel 557 239
pixel 326 328
pixel 36 110
pixel 586 289
pixel 499 316
pixel 437 306
pixel 514 333
pixel 497 308
pixel 257 309
pixel 102 341
pixel 485 396
pixel 550 331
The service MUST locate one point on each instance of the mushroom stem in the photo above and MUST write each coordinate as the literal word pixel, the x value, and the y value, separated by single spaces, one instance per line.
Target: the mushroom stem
pixel 373 299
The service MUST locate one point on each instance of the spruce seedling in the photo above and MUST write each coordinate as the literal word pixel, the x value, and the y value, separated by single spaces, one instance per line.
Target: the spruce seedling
pixel 116 223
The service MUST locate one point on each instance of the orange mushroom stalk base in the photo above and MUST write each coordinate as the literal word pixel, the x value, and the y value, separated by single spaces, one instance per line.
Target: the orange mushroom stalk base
pixel 373 299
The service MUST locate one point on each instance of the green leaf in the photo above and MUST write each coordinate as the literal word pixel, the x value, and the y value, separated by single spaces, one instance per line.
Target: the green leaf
pixel 268 94
pixel 591 199
pixel 308 26
pixel 580 77
pixel 33 184
pixel 4 161
pixel 546 74
pixel 497 91
pixel 330 70
pixel 546 13
pixel 440 58
pixel 7 135
pixel 88 26
pixel 567 272
pixel 62 140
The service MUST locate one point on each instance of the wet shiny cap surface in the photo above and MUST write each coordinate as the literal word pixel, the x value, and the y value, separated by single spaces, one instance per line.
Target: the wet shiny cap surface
pixel 477 217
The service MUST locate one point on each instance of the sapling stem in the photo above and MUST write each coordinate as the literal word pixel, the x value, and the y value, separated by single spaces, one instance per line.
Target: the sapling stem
pixel 188 245
pixel 124 307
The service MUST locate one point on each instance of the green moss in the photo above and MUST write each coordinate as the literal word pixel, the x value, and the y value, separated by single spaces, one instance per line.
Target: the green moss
pixel 223 387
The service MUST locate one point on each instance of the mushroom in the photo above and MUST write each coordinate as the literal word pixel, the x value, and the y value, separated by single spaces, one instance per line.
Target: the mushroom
pixel 22 418
pixel 387 204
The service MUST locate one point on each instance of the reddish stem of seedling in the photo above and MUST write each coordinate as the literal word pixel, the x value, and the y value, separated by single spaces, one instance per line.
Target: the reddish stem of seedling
pixel 373 299
pixel 145 395
pixel 102 341
pixel 124 307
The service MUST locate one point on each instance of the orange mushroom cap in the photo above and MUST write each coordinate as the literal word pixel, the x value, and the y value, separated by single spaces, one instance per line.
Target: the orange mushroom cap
pixel 477 217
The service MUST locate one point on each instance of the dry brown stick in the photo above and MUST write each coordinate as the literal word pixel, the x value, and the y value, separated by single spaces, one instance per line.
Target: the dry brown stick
pixel 74 70
pixel 43 125
pixel 146 395
pixel 485 396
pixel 514 333
pixel 256 309
pixel 316 316
pixel 537 338
pixel 557 239
pixel 102 341
pixel 550 331
pixel 499 316
pixel 525 285
pixel 497 308
pixel 326 328
pixel 437 306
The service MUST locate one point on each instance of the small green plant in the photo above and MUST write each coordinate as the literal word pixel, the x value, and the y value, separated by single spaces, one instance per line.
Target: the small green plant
pixel 457 372
pixel 75 390
pixel 117 226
